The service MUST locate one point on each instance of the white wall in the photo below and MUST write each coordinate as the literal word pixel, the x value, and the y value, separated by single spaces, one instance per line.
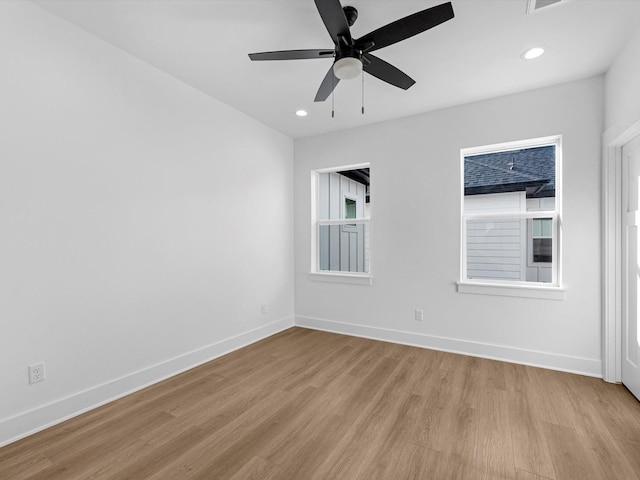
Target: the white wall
pixel 142 223
pixel 415 209
pixel 621 90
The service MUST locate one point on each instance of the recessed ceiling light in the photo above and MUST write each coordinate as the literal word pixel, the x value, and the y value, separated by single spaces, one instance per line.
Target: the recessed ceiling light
pixel 532 53
pixel 301 113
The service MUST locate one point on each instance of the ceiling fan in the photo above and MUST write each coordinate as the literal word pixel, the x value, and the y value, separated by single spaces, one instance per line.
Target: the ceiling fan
pixel 352 56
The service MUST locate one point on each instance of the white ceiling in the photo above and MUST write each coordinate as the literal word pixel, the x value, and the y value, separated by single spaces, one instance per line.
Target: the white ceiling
pixel 475 56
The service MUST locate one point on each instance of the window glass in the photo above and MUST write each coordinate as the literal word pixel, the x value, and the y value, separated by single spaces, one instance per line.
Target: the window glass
pixel 542 240
pixel 341 246
pixel 542 248
pixel 349 208
pixel 510 213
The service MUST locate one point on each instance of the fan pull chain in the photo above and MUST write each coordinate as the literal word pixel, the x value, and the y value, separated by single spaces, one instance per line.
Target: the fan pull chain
pixel 362 92
pixel 333 113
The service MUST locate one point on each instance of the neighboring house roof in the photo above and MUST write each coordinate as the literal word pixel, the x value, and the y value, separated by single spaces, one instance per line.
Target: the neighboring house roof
pixel 531 170
pixel 360 175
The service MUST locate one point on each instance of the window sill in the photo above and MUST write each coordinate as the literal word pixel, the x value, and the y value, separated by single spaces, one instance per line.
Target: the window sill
pixel 336 277
pixel 523 291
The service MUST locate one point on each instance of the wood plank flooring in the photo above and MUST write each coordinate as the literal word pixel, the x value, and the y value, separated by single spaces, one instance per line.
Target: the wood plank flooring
pixel 310 405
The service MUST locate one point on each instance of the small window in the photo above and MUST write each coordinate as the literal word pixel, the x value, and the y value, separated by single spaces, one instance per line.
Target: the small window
pixel 341 241
pixel 349 208
pixel 511 213
pixel 542 240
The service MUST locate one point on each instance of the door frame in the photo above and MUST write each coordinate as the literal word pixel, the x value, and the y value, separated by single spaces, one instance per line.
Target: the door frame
pixel 612 252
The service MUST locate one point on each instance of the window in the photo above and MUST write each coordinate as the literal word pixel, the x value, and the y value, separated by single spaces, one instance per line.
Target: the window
pixel 542 240
pixel 511 214
pixel 350 207
pixel 341 236
pixel 351 204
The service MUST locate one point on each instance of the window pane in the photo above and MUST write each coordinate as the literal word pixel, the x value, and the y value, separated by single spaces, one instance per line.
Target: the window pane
pixel 498 250
pixel 537 228
pixel 542 227
pixel 344 248
pixel 349 208
pixel 342 193
pixel 542 250
pixel 494 249
pixel 514 182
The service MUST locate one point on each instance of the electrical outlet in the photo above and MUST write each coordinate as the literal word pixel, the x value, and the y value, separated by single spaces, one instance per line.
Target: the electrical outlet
pixel 419 315
pixel 36 373
pixel 263 308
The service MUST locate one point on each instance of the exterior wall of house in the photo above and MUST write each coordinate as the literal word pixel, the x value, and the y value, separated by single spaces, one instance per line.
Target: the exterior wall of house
pixel 341 247
pixel 496 249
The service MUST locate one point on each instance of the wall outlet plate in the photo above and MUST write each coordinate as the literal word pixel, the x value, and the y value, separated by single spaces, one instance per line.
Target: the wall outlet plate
pixel 36 373
pixel 419 315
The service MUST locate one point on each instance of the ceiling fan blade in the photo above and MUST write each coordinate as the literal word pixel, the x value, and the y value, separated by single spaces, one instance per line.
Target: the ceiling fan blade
pixel 386 72
pixel 326 87
pixel 405 27
pixel 292 54
pixel 335 20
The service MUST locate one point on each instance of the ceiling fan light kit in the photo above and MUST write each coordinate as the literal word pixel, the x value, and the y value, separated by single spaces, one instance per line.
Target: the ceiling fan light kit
pixel 347 68
pixel 353 56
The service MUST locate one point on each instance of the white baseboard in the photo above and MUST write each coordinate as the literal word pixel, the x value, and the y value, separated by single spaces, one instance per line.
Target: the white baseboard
pixel 32 421
pixel 552 361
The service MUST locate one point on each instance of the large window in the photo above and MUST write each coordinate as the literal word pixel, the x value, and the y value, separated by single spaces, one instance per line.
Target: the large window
pixel 341 215
pixel 511 214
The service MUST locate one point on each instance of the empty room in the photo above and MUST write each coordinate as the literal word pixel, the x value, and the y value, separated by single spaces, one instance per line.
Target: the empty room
pixel 319 240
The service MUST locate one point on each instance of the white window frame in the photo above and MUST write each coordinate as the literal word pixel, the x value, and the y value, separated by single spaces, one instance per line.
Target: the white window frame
pixel 553 290
pixel 354 278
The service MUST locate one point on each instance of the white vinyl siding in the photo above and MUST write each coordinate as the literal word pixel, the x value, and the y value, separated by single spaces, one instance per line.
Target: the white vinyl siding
pixel 495 247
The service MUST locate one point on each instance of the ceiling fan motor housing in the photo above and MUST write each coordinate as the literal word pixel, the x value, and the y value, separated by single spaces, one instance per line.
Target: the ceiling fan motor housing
pixel 351 13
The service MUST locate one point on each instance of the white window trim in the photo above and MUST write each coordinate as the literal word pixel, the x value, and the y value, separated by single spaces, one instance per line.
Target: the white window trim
pixel 554 290
pixel 333 276
pixel 342 277
pixel 523 290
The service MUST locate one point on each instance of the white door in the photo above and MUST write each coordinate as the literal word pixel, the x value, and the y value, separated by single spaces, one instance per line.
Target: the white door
pixel 631 266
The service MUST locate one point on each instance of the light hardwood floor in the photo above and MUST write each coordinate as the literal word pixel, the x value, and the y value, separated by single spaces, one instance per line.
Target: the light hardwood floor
pixel 313 405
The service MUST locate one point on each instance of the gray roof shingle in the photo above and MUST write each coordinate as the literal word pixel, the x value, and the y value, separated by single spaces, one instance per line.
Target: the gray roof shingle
pixel 530 169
